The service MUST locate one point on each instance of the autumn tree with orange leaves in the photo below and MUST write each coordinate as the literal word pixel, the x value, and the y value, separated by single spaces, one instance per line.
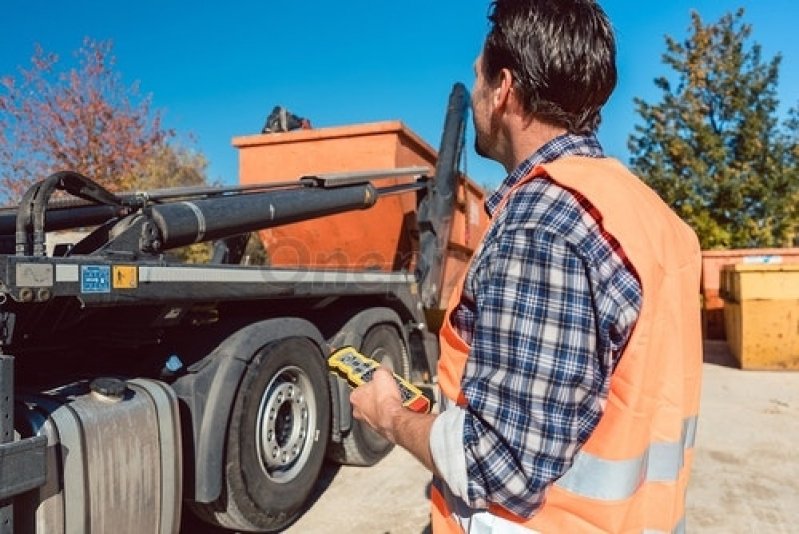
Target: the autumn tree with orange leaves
pixel 86 119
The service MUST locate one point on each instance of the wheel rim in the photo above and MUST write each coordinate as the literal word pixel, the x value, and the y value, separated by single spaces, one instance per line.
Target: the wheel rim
pixel 285 425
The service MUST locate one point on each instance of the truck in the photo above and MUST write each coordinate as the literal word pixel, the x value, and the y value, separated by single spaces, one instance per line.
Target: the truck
pixel 138 389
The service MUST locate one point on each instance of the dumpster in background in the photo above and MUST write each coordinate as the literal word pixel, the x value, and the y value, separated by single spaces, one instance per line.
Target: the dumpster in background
pixel 761 314
pixel 713 326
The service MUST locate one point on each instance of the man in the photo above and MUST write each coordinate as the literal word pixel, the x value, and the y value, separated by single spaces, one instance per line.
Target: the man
pixel 570 362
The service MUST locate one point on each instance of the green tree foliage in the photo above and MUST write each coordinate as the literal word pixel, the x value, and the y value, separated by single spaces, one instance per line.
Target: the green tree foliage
pixel 87 120
pixel 713 147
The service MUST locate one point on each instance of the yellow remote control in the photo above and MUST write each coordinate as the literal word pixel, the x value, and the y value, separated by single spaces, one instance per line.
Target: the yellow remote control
pixel 357 369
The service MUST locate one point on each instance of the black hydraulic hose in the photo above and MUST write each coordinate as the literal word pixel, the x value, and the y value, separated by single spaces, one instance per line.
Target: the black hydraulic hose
pixel 31 215
pixel 23 221
pixel 43 193
pixel 140 199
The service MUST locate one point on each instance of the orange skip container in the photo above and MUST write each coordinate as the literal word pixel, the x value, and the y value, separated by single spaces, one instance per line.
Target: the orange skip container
pixel 384 237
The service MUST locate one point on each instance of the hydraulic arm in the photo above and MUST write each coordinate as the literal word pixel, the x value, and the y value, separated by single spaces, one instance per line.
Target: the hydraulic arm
pixel 146 224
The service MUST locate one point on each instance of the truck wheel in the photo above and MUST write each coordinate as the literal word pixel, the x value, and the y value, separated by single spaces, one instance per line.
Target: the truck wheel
pixel 277 438
pixel 363 446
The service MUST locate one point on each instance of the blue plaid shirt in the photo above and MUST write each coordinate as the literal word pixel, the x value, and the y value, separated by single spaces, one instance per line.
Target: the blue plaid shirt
pixel 548 304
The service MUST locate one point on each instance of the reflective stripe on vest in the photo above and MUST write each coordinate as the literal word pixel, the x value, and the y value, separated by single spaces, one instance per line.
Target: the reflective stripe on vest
pixel 614 480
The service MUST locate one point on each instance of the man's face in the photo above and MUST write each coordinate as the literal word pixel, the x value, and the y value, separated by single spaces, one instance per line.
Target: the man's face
pixel 482 111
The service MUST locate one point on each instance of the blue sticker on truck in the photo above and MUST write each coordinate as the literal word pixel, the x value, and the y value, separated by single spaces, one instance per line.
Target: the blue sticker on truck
pixel 95 279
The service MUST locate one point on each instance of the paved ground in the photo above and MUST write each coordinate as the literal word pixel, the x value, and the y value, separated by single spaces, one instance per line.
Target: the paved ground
pixel 746 472
pixel 389 498
pixel 746 476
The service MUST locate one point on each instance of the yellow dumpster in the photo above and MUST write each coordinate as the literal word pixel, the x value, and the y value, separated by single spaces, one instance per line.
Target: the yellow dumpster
pixel 712 263
pixel 761 314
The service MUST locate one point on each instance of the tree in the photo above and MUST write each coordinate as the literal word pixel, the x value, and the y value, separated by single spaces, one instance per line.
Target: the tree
pixel 714 148
pixel 168 167
pixel 87 120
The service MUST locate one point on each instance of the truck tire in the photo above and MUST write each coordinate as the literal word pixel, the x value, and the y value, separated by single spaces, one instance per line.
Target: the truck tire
pixel 276 440
pixel 362 446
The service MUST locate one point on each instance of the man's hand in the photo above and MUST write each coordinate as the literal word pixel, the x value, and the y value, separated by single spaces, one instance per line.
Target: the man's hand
pixel 378 403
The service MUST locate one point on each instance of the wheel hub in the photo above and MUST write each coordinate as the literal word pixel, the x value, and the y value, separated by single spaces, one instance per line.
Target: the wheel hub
pixel 284 422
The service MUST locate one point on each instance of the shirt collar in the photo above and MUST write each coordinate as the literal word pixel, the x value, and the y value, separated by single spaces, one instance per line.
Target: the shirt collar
pixel 563 145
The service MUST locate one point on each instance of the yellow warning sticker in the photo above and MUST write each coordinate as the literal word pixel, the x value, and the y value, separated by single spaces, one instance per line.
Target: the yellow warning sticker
pixel 126 277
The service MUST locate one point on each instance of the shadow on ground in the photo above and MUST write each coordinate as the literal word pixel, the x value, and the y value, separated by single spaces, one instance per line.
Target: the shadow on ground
pixel 717 352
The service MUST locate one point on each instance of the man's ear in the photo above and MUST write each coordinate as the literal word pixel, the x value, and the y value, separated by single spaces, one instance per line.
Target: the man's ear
pixel 502 92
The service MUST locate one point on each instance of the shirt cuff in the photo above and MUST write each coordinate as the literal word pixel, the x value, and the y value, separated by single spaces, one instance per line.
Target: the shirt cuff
pixel 446 446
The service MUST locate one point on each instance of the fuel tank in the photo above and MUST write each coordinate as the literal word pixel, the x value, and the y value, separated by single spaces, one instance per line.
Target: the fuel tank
pixel 113 458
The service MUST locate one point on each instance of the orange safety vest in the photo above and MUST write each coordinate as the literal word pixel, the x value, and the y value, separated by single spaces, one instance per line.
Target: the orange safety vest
pixel 632 473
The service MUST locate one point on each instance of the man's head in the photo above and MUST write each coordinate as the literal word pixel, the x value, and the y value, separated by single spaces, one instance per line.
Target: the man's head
pixel 559 55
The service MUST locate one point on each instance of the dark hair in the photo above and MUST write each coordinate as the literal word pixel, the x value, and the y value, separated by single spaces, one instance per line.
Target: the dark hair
pixel 562 55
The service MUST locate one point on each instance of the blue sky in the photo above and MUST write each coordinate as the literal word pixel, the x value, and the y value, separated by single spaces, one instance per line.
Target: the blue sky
pixel 216 69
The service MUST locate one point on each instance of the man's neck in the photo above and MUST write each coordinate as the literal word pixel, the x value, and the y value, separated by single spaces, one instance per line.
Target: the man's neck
pixel 525 139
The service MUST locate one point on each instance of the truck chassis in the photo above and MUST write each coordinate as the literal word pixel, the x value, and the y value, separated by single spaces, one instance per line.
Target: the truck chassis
pixel 222 365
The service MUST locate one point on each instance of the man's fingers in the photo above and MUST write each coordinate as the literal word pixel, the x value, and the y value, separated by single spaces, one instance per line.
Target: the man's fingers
pixel 382 376
pixel 359 396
